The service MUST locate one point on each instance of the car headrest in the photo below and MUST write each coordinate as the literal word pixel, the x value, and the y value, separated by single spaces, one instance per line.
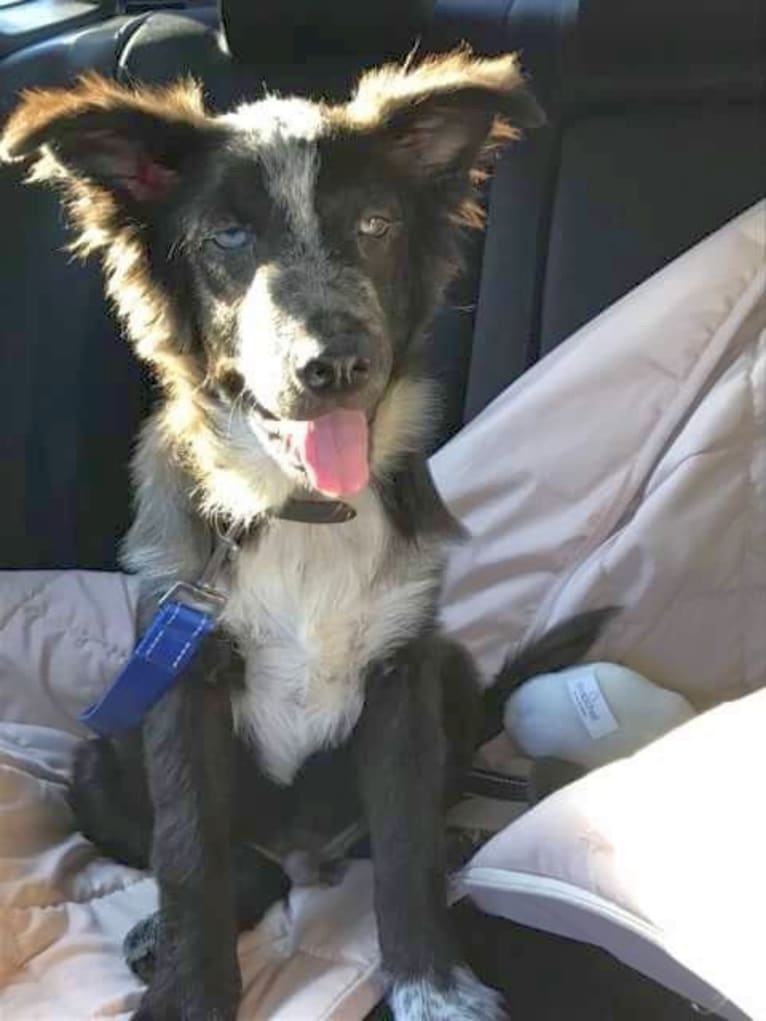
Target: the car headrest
pixel 294 30
pixel 687 50
pixel 611 53
pixel 656 33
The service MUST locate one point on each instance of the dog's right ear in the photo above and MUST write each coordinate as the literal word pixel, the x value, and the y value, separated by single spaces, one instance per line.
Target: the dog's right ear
pixel 104 141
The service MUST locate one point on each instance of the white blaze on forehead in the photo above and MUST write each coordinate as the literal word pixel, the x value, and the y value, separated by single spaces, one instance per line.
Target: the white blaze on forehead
pixel 284 132
pixel 274 117
pixel 260 321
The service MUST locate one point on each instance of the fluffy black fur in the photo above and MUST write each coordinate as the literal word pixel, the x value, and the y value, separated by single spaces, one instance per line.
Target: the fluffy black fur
pixel 404 764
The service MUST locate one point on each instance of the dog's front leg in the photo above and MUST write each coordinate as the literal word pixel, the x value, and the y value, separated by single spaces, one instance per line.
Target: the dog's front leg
pixel 189 754
pixel 401 758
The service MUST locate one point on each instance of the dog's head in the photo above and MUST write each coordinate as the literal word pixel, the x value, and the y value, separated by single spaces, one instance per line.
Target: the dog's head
pixel 278 265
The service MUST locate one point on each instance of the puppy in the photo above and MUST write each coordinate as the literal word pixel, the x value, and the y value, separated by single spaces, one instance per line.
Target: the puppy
pixel 277 268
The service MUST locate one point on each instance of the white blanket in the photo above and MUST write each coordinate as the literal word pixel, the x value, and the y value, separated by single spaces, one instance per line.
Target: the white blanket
pixel 628 467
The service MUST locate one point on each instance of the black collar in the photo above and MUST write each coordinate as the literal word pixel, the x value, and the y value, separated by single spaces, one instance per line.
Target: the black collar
pixel 227 541
pixel 315 512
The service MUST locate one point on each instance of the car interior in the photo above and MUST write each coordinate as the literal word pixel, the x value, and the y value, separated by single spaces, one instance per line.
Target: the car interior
pixel 654 139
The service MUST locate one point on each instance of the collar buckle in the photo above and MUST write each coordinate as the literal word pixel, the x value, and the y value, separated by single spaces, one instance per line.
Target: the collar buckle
pixel 204 594
pixel 200 597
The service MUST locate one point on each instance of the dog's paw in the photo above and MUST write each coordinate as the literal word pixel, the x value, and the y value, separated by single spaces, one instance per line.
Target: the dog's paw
pixel 464 998
pixel 166 1001
pixel 172 1012
pixel 140 947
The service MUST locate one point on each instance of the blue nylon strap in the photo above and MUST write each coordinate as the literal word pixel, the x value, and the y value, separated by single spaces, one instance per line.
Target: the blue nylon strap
pixel 168 646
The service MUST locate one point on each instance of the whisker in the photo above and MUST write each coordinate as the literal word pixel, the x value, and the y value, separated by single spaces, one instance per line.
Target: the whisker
pixel 239 401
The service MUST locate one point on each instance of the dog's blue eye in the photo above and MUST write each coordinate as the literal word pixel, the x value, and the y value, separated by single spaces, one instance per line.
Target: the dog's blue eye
pixel 231 238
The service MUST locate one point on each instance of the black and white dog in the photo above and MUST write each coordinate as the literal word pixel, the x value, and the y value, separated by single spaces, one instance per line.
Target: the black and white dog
pixel 277 268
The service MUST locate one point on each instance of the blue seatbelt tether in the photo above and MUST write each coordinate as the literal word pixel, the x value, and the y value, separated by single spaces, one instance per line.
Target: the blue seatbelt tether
pixel 186 615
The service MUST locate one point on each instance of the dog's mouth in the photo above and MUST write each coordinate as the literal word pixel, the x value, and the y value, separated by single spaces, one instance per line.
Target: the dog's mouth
pixel 331 452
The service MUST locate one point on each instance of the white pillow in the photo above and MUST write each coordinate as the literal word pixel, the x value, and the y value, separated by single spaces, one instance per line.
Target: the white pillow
pixel 658 858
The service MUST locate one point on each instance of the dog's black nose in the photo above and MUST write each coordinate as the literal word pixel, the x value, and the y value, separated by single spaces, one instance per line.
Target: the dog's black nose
pixel 334 373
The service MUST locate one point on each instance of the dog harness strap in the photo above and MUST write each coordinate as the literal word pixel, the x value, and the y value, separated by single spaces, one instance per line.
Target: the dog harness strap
pixel 166 649
pixel 186 615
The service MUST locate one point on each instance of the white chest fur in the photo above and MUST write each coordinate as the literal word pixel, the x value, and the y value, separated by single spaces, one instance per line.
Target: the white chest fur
pixel 311 606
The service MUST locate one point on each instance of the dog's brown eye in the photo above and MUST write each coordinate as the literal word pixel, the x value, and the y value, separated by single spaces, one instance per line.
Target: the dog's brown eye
pixel 374 226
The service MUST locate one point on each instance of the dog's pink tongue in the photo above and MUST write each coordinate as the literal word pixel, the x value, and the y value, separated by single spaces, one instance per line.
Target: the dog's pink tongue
pixel 334 452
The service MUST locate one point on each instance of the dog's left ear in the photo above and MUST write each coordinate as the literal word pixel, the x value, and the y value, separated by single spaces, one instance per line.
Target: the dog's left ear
pixel 131 145
pixel 435 120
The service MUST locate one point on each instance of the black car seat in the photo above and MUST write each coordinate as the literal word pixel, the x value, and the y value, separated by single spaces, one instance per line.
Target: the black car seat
pixel 655 137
